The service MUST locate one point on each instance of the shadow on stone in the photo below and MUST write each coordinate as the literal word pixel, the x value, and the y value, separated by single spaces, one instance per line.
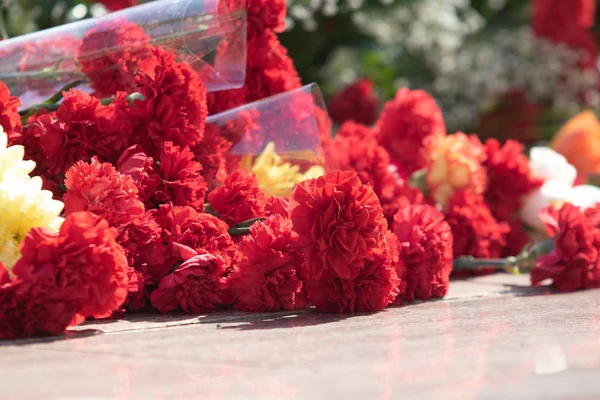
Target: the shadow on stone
pixel 284 320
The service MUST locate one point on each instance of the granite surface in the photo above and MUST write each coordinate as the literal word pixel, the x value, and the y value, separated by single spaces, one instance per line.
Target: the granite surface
pixel 492 338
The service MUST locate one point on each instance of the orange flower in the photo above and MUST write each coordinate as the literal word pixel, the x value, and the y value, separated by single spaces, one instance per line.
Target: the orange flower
pixel 454 162
pixel 579 141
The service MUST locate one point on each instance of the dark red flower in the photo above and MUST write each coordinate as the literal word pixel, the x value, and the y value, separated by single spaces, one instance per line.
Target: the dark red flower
pixel 142 169
pixel 475 230
pixel 212 153
pixel 357 102
pixel 513 116
pixel 425 241
pixel 174 107
pixel 569 23
pixel 88 265
pixel 573 263
pixel 405 122
pixel 80 129
pixel 181 183
pixel 98 187
pixel 402 196
pixel 116 5
pixel 201 232
pixel 10 120
pixel 268 276
pixel 239 199
pixel 199 285
pixel 34 307
pixel 339 222
pixel 509 177
pixel 516 239
pixel 112 53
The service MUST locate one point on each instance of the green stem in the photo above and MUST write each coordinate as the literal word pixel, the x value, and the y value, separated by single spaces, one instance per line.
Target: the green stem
pixel 243 228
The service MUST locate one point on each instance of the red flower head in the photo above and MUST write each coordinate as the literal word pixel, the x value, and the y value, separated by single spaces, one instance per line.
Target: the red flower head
pixel 475 230
pixel 174 106
pixel 116 5
pixel 372 290
pixel 141 238
pixel 569 23
pixel 34 307
pixel 142 169
pixel 268 277
pixel 355 148
pixel 180 181
pixel 213 153
pixel 509 177
pixel 265 15
pixel 426 251
pixel 81 128
pixel 405 123
pixel 339 222
pixel 9 115
pixel 401 197
pixel 89 267
pixel 239 199
pixel 112 53
pixel 277 206
pixel 357 102
pixel 99 188
pixel 574 262
pixel 201 232
pixel 199 285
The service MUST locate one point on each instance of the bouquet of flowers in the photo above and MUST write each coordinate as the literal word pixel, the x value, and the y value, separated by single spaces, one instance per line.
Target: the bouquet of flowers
pixel 143 184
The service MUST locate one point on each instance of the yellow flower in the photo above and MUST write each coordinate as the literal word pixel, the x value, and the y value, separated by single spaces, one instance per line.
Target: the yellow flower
pixel 454 162
pixel 23 203
pixel 276 176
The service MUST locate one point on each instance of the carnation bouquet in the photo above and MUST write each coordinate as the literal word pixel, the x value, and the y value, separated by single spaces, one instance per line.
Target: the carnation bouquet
pixel 167 158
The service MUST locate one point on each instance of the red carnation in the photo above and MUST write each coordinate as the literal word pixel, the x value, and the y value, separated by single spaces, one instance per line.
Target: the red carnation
pixel 199 285
pixel 509 177
pixel 180 181
pixel 339 222
pixel 569 23
pixel 112 53
pixel 116 5
pixel 277 206
pixel 268 277
pixel 99 188
pixel 373 289
pixel 142 169
pixel 213 153
pixel 265 15
pixel 81 128
pixel 10 119
pixel 269 71
pixel 402 196
pixel 174 106
pixel 200 232
pixel 475 230
pixel 361 153
pixel 405 122
pixel 89 266
pixel 34 307
pixel 516 239
pixel 141 238
pixel 239 199
pixel 574 262
pixel 425 241
pixel 357 102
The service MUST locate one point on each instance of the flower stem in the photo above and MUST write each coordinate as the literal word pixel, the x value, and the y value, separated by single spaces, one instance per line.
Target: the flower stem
pixel 243 228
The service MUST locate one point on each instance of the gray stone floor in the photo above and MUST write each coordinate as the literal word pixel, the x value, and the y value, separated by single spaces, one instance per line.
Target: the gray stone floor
pixel 492 338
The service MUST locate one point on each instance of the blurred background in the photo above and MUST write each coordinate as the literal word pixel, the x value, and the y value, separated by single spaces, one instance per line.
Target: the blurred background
pixel 517 68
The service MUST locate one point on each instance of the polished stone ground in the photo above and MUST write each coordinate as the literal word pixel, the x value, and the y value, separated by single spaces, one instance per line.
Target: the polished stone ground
pixel 492 338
